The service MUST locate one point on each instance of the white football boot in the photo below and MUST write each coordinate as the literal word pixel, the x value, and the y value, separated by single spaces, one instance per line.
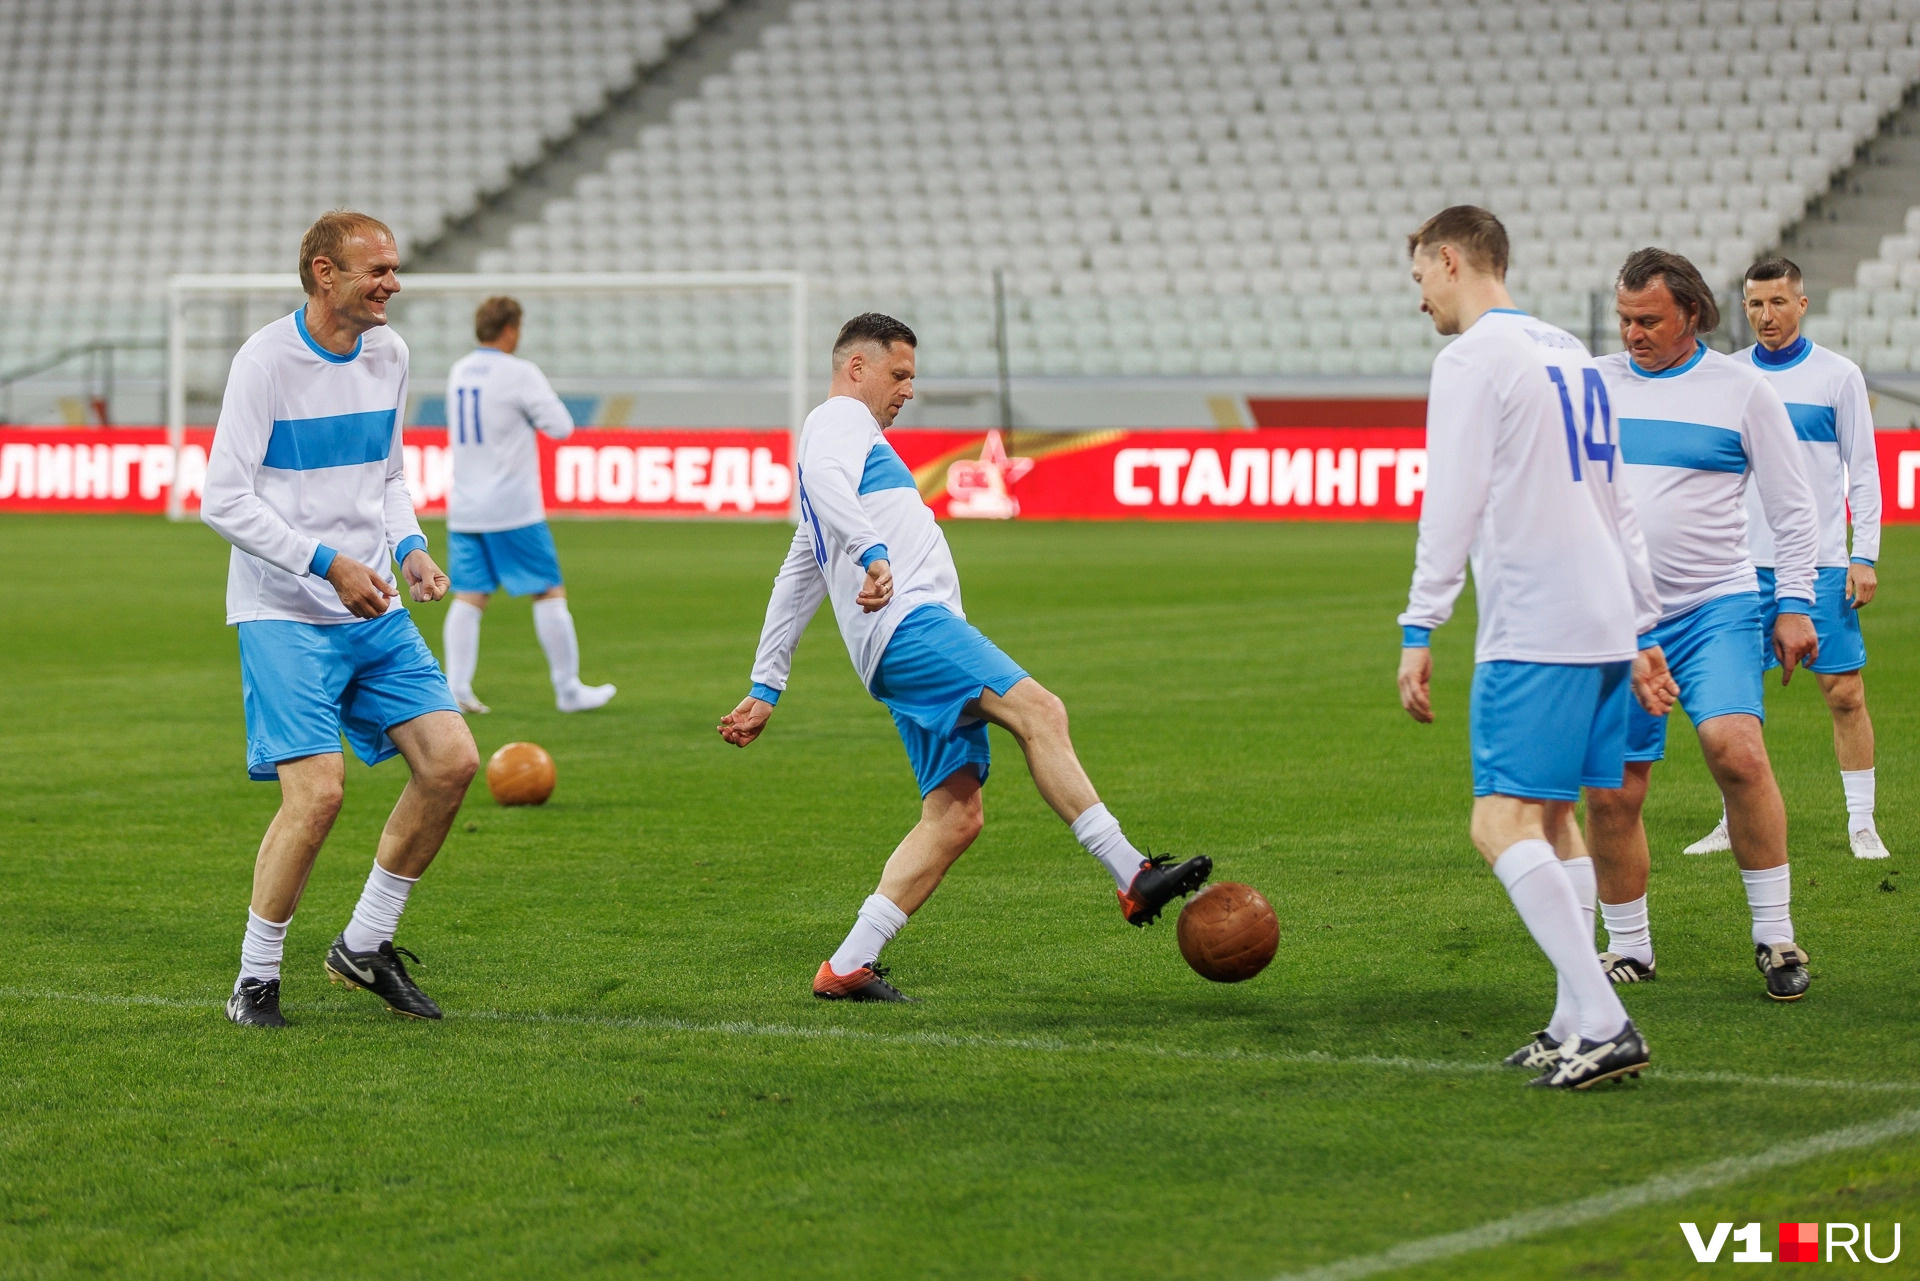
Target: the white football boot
pixel 584 698
pixel 1715 842
pixel 1866 843
pixel 469 704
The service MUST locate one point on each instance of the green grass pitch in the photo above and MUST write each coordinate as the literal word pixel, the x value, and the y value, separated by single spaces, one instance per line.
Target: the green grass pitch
pixel 633 1079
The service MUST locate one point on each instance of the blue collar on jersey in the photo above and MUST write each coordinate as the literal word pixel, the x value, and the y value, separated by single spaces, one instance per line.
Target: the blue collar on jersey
pixel 1786 358
pixel 1505 311
pixel 300 323
pixel 1699 354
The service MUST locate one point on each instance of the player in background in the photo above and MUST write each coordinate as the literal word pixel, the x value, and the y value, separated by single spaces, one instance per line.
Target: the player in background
pixel 1695 425
pixel 867 543
pixel 496 526
pixel 1827 400
pixel 1523 479
pixel 305 480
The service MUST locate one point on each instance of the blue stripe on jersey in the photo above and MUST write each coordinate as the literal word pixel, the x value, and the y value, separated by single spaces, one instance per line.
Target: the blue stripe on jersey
pixel 1659 442
pixel 332 358
pixel 884 470
pixel 338 440
pixel 1813 422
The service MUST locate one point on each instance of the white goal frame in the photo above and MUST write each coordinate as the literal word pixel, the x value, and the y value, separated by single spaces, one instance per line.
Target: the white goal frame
pixel 181 289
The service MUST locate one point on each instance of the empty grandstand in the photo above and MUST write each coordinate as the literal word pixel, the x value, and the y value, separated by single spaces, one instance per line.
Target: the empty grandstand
pixel 1164 187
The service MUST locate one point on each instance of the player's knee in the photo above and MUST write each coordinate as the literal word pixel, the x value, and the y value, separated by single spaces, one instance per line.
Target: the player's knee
pixel 965 823
pixel 451 768
pixel 316 801
pixel 1046 713
pixel 1612 807
pixel 1847 696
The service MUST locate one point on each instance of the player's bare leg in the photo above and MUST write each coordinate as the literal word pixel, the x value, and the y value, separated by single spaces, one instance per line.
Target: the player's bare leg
pixel 1846 695
pixel 460 642
pixel 951 816
pixel 1618 840
pixel 440 752
pixel 1037 719
pixel 310 793
pixel 1736 753
pixel 1527 843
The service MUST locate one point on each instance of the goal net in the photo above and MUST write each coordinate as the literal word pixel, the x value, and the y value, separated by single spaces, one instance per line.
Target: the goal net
pixel 699 350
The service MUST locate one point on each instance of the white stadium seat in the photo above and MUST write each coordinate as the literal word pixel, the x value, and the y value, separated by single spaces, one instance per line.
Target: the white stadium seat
pixel 1131 158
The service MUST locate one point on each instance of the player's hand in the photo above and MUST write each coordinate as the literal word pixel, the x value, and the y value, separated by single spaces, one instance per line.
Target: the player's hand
pixel 878 589
pixel 1862 583
pixel 1794 641
pixel 424 578
pixel 1653 682
pixel 743 724
pixel 363 592
pixel 1416 671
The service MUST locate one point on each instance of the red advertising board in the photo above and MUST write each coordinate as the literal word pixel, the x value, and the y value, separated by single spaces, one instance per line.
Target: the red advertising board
pixel 1281 474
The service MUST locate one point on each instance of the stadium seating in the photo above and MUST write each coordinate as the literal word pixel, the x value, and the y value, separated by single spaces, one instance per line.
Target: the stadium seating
pixel 141 139
pixel 1224 186
pixel 1169 187
pixel 1878 321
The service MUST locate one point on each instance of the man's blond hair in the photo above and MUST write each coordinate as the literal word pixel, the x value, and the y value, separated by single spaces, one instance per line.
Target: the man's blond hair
pixel 328 238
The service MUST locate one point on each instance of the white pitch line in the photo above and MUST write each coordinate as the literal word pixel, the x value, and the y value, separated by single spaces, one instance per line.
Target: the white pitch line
pixel 1664 1187
pixel 1020 1044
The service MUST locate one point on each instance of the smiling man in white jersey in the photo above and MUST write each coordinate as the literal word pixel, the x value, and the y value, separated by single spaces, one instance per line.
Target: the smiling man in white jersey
pixel 497 404
pixel 1523 479
pixel 869 545
pixel 1827 399
pixel 305 479
pixel 1697 430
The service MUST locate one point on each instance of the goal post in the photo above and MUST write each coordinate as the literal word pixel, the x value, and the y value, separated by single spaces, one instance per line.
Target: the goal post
pixel 245 294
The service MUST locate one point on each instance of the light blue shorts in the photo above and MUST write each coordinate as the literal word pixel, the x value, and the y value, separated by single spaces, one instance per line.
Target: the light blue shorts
pixel 307 684
pixel 523 561
pixel 1714 653
pixel 1835 622
pixel 1543 731
pixel 935 664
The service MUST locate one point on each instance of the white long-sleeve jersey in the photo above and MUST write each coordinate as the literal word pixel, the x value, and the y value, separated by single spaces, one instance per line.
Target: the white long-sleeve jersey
pixel 306 459
pixel 495 404
pixel 1827 399
pixel 1691 435
pixel 857 502
pixel 1523 477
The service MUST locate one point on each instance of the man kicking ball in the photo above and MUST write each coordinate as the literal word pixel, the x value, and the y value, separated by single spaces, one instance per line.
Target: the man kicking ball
pixel 305 480
pixel 866 542
pixel 1827 399
pixel 496 526
pixel 1523 480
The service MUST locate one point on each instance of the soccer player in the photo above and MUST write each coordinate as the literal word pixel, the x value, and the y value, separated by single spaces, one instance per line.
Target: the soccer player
pixel 1827 400
pixel 1523 479
pixel 867 543
pixel 1694 426
pixel 305 480
pixel 496 527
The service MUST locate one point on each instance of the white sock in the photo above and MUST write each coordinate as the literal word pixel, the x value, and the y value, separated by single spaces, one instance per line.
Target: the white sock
pixel 879 920
pixel 1858 785
pixel 1544 897
pixel 261 949
pixel 377 915
pixel 461 640
pixel 1628 930
pixel 553 624
pixel 1770 899
pixel 1566 1014
pixel 1099 832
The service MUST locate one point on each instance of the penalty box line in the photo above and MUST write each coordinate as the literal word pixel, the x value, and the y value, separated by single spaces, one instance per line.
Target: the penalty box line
pixel 1573 1214
pixel 1015 1044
